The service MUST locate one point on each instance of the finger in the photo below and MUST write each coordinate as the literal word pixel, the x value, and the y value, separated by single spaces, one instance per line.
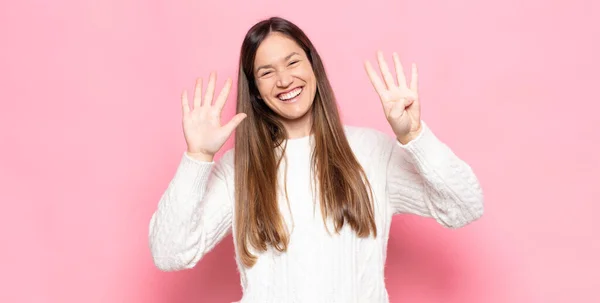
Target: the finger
pixel 399 70
pixel 375 80
pixel 220 102
pixel 210 90
pixel 198 93
pixel 184 103
pixel 234 122
pixel 414 79
pixel 385 71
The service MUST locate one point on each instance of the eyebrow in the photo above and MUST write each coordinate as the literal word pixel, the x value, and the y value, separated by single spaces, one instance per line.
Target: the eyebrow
pixel 284 59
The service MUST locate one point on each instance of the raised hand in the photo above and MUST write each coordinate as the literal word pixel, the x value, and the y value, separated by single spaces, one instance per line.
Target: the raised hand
pixel 202 127
pixel 400 102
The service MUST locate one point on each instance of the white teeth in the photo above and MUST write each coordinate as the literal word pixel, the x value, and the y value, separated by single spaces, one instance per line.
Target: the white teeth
pixel 291 94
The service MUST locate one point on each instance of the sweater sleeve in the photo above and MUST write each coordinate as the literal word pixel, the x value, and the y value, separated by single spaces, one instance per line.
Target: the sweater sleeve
pixel 192 216
pixel 425 178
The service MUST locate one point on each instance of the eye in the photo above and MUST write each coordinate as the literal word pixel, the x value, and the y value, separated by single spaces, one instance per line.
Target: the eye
pixel 265 73
pixel 294 62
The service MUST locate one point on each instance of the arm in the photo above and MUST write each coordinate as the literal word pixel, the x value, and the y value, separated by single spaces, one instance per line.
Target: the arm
pixel 424 177
pixel 193 215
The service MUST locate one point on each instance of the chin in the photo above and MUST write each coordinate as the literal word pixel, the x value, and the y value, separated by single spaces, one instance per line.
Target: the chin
pixel 293 115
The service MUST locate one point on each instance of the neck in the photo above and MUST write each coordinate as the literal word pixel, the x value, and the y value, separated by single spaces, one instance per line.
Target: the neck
pixel 300 127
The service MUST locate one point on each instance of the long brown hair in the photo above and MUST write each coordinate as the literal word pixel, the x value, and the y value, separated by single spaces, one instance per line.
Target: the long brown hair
pixel 344 192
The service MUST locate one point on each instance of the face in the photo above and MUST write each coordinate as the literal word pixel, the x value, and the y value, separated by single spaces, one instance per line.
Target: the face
pixel 284 77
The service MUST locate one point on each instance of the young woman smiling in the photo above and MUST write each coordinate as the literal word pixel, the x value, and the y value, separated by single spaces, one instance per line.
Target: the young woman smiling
pixel 309 200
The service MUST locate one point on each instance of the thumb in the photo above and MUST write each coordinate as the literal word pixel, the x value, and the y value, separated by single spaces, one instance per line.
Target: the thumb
pixel 397 109
pixel 234 122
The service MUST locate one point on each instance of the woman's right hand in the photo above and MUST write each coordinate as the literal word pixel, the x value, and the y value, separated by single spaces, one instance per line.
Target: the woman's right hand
pixel 202 127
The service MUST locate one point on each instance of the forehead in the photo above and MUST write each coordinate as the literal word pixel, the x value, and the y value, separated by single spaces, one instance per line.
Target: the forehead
pixel 275 48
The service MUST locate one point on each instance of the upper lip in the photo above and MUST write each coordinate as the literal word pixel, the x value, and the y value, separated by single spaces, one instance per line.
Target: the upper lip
pixel 289 90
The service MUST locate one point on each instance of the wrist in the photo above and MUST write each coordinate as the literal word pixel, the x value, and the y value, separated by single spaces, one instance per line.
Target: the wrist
pixel 405 139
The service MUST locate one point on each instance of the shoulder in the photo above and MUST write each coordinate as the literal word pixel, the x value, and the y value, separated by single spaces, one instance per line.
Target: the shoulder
pixel 227 157
pixel 367 136
pixel 368 141
pixel 224 164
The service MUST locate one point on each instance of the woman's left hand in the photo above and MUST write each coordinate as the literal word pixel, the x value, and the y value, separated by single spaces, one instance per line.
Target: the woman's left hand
pixel 400 102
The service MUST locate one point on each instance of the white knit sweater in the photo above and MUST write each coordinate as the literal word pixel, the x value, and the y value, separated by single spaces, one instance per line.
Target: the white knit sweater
pixel 423 177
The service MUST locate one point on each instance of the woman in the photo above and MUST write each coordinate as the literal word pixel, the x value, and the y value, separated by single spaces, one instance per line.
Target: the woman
pixel 309 201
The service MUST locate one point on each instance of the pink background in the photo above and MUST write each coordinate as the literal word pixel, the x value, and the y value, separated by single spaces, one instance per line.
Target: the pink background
pixel 91 135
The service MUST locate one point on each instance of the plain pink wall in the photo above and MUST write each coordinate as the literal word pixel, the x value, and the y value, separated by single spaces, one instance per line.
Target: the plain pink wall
pixel 91 135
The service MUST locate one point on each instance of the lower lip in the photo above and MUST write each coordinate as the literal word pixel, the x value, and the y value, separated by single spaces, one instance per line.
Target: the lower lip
pixel 293 99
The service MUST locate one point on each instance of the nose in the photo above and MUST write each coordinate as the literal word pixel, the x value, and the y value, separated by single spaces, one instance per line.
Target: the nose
pixel 284 79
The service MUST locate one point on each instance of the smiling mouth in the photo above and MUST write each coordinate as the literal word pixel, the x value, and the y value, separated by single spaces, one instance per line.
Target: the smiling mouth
pixel 290 96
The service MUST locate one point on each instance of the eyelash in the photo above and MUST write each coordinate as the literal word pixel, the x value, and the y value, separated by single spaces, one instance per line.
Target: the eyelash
pixel 293 62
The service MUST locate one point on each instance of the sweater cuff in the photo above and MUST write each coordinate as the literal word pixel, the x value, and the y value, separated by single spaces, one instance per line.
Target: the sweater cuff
pixel 192 174
pixel 426 148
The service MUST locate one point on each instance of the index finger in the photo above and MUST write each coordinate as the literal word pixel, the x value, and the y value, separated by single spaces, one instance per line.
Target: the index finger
pixel 185 106
pixel 375 80
pixel 220 102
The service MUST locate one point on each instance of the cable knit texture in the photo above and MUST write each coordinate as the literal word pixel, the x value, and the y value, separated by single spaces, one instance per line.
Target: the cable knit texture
pixel 423 177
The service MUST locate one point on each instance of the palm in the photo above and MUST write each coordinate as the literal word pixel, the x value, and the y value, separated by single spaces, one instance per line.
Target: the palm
pixel 202 127
pixel 400 102
pixel 399 110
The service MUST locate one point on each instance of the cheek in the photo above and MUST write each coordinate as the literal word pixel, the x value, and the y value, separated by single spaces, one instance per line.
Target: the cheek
pixel 311 80
pixel 309 77
pixel 263 89
pixel 308 74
